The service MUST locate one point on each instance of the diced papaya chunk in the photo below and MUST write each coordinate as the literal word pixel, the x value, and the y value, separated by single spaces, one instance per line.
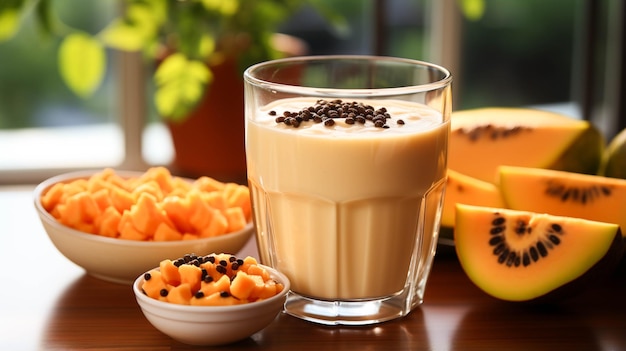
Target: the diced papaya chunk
pixel 201 213
pixel 235 218
pixel 153 286
pixel 243 285
pixel 145 215
pixel 53 196
pixel 222 284
pixel 216 299
pixel 109 222
pixel 217 226
pixel 178 210
pixel 169 272
pixel 190 274
pixel 166 233
pixel 180 294
pixel 129 232
pixel 205 183
pixel 121 199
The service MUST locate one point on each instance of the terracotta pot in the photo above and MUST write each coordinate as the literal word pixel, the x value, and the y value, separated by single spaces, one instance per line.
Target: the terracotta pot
pixel 211 141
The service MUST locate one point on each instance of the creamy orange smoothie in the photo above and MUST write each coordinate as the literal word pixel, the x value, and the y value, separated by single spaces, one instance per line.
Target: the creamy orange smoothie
pixel 338 207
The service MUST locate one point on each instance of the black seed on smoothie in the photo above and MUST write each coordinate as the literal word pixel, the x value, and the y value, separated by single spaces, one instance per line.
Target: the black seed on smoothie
pixel 272 113
pixel 329 122
pixel 352 113
pixel 400 121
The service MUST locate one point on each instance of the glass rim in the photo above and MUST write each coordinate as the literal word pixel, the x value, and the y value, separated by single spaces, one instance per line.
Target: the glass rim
pixel 445 81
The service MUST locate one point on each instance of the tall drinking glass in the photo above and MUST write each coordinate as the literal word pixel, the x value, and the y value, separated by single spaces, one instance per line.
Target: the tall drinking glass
pixel 346 161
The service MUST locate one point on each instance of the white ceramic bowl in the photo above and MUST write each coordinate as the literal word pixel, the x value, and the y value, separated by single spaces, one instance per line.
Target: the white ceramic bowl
pixel 212 325
pixel 118 260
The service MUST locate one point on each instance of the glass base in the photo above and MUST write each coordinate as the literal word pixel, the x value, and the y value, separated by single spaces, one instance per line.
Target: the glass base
pixel 348 312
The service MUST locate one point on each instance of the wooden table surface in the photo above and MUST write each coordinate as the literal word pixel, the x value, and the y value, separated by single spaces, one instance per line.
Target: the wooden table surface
pixel 48 303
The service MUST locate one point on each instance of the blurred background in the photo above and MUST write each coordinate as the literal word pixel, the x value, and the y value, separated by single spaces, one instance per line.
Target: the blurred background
pixel 563 55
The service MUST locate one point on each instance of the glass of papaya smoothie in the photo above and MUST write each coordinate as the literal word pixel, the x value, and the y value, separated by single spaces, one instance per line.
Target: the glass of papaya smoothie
pixel 346 160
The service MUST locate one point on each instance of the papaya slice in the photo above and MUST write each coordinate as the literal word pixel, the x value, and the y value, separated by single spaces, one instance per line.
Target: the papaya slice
pixel 461 188
pixel 564 193
pixel 482 139
pixel 533 257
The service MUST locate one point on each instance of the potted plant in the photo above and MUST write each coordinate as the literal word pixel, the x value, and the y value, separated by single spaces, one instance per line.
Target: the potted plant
pixel 199 47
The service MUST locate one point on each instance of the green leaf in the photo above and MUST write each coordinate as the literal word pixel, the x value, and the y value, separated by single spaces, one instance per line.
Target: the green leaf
pixel 9 23
pixel 180 85
pixel 473 9
pixel 82 63
pixel 120 35
pixel 134 32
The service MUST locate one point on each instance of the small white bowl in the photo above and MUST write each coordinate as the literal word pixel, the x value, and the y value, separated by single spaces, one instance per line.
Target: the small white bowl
pixel 119 260
pixel 212 325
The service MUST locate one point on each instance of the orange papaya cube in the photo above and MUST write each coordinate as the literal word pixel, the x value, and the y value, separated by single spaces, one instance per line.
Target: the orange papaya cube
pixel 146 215
pixel 178 210
pixel 166 233
pixel 128 232
pixel 102 198
pixel 201 214
pixel 208 184
pixel 216 286
pixel 180 294
pixel 190 236
pixel 121 198
pixel 180 186
pixel 96 182
pixel 70 212
pixel 86 227
pixel 217 226
pixel 265 291
pixel 161 176
pixel 211 270
pixel 151 187
pixel 53 196
pixel 108 222
pixel 153 286
pixel 89 208
pixel 216 299
pixel 215 199
pixel 235 218
pixel 247 262
pixel 76 186
pixel 260 271
pixel 241 198
pixel 244 285
pixel 169 272
pixel 190 274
